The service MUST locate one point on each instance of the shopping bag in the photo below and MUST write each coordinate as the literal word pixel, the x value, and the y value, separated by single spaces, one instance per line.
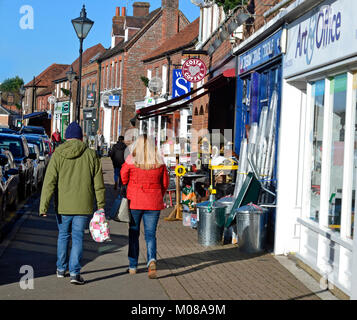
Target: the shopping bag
pixel 115 207
pixel 123 212
pixel 99 228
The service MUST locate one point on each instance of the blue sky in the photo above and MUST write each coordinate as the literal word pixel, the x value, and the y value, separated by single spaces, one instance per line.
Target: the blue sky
pixel 26 52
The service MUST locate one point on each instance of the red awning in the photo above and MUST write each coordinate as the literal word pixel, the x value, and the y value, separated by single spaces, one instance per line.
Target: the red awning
pixel 159 109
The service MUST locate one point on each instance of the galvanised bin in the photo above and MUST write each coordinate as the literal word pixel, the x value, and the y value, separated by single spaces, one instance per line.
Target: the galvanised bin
pixel 210 223
pixel 252 224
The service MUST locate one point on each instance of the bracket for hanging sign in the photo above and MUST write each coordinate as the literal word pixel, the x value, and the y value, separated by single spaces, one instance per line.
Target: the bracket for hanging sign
pixel 194 53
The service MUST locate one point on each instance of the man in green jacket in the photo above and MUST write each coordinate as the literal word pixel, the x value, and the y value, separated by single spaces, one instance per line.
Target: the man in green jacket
pixel 74 175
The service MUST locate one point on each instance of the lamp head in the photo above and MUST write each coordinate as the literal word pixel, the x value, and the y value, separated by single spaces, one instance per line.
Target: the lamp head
pixel 82 24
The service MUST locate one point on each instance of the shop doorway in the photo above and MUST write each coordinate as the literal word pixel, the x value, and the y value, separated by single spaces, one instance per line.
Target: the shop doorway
pixel 65 123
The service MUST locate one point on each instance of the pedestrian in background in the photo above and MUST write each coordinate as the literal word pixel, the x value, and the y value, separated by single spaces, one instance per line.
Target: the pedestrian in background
pixel 98 142
pixel 56 138
pixel 147 180
pixel 74 175
pixel 117 154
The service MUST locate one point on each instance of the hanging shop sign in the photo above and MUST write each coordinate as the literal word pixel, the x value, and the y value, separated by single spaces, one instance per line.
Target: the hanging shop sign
pixel 267 50
pixel 180 85
pixel 194 70
pixel 65 107
pixel 58 108
pixel 325 34
pixel 114 101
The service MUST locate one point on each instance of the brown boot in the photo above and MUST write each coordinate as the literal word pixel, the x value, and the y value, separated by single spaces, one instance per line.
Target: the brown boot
pixel 152 270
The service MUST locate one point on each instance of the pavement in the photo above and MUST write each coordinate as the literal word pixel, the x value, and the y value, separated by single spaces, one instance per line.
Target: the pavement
pixel 186 269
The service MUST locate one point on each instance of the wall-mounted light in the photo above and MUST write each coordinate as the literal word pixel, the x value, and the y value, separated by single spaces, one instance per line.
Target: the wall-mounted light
pixel 232 26
pixel 224 35
pixel 210 50
pixel 217 42
pixel 242 17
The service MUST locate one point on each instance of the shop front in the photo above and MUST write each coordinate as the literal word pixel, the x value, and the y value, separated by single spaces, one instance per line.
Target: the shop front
pixel 257 117
pixel 61 117
pixel 318 142
pixel 89 122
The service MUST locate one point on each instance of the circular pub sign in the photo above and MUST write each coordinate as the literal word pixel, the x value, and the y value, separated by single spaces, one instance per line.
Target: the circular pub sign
pixel 194 70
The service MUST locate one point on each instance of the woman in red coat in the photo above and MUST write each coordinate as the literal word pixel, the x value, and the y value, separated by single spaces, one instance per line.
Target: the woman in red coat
pixel 147 178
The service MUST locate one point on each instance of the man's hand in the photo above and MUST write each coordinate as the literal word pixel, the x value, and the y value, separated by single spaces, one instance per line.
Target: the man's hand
pixel 43 214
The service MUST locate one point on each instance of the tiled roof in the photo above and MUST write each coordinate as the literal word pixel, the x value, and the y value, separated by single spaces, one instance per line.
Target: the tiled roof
pixel 86 59
pixel 134 22
pixel 111 52
pixel 46 77
pixel 183 39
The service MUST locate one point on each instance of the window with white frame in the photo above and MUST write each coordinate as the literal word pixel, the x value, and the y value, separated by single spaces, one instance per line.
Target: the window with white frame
pixel 318 92
pixel 334 153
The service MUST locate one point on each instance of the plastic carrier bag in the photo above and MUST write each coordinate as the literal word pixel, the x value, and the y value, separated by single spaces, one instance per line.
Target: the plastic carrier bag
pixel 99 228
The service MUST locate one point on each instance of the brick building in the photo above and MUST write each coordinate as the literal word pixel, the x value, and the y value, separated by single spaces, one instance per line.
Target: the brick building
pixel 65 110
pixel 36 98
pixel 165 63
pixel 133 37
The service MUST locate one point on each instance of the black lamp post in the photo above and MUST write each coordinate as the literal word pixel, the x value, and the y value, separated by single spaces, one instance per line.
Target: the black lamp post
pixel 82 26
pixel 22 91
pixel 70 76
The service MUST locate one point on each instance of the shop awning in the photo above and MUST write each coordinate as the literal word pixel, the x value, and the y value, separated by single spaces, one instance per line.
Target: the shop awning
pixel 42 114
pixel 166 106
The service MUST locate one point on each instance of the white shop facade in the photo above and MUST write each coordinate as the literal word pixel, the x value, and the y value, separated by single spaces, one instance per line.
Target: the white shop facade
pixel 317 161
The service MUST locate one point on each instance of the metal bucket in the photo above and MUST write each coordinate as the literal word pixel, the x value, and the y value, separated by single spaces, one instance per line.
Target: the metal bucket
pixel 210 225
pixel 252 226
pixel 228 232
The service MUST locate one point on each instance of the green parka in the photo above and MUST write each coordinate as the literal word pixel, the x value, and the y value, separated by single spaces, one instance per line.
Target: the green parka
pixel 74 175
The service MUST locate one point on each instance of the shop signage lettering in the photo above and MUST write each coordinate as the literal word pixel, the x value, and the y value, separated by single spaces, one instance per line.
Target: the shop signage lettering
pixel 65 107
pixel 324 29
pixel 194 70
pixel 114 101
pixel 326 33
pixel 265 51
pixel 180 85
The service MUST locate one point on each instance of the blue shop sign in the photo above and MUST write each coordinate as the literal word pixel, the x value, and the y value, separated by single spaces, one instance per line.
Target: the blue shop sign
pixel 180 85
pixel 114 101
pixel 262 53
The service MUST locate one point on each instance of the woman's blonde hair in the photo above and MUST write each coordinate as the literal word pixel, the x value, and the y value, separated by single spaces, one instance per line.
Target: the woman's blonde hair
pixel 145 153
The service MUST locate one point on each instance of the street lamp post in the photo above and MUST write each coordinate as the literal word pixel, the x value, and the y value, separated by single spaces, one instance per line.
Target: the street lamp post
pixel 82 26
pixel 70 76
pixel 22 94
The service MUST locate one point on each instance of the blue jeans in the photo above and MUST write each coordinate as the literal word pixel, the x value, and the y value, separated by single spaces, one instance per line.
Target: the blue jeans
pixel 67 225
pixel 117 176
pixel 151 218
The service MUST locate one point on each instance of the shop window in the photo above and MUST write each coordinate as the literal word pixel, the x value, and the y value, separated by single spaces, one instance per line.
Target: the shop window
pixel 339 85
pixel 318 89
pixel 354 183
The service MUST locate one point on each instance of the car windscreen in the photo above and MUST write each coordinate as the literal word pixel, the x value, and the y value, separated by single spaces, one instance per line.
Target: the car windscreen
pixel 12 144
pixel 33 130
pixel 37 143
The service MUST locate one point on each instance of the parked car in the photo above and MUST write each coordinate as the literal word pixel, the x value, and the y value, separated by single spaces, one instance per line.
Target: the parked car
pixel 39 141
pixel 7 130
pixel 10 177
pixel 17 145
pixel 33 130
pixel 38 167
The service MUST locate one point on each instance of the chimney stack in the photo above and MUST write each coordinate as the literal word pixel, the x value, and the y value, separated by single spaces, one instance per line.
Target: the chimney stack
pixel 118 27
pixel 141 9
pixel 123 9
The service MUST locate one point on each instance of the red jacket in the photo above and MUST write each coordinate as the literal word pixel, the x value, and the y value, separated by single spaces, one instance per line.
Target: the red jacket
pixel 146 188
